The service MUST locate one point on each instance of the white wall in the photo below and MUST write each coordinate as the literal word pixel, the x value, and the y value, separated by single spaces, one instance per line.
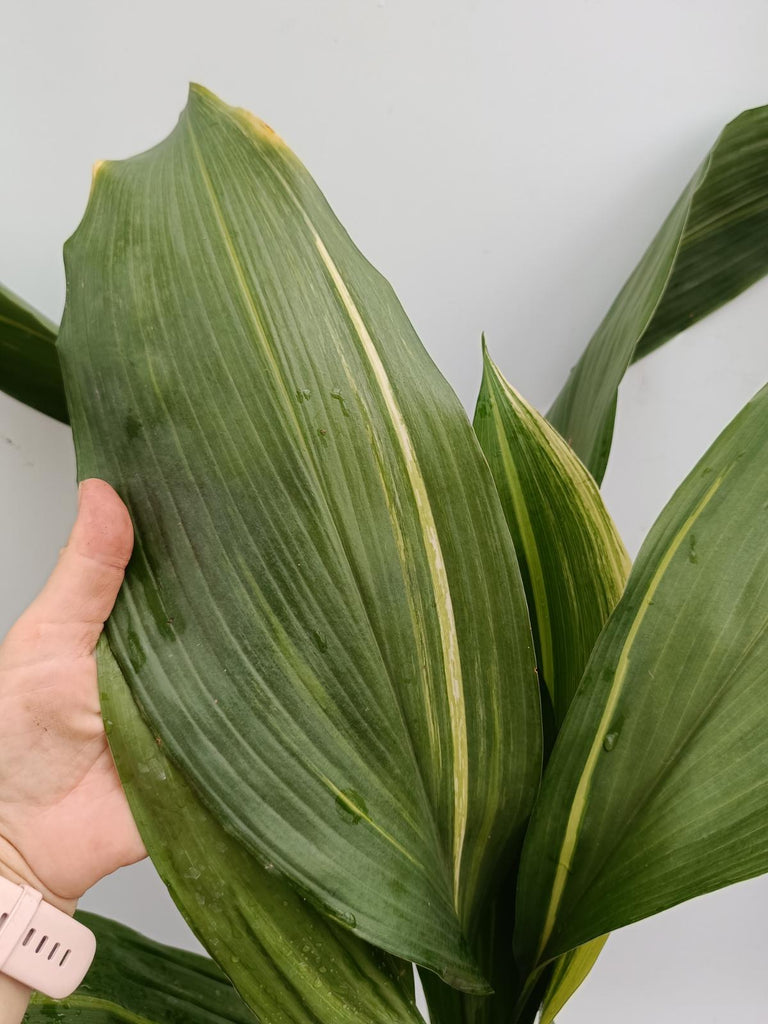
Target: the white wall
pixel 504 163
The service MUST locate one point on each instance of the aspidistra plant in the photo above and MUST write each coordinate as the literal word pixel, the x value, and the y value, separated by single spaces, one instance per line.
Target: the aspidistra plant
pixel 380 685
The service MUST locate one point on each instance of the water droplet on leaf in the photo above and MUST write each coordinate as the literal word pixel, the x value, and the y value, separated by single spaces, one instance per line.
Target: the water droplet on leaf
pixel 321 640
pixel 610 741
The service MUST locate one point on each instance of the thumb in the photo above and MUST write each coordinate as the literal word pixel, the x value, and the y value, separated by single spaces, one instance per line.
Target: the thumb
pixel 81 591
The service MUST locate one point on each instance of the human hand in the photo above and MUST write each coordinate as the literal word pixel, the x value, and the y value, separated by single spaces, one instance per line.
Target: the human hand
pixel 64 819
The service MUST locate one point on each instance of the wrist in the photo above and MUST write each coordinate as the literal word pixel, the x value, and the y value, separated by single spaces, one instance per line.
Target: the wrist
pixel 14 867
pixel 14 999
pixel 41 946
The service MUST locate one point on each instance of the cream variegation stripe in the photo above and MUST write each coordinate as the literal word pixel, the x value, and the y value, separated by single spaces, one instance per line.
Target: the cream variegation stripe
pixel 581 796
pixel 530 546
pixel 605 535
pixel 438 574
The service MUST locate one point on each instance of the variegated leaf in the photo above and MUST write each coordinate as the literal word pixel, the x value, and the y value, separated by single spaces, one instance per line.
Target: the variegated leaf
pixel 323 620
pixel 657 789
pixel 713 245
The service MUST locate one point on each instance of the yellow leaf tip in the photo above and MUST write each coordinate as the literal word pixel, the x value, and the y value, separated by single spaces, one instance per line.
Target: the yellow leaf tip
pixel 261 126
pixel 95 171
pixel 265 132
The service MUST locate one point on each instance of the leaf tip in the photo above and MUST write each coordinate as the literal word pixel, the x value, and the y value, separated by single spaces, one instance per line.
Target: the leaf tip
pixel 199 94
pixel 489 367
pixel 199 98
pixel 96 170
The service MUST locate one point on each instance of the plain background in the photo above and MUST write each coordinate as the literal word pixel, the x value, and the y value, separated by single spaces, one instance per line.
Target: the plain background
pixel 504 163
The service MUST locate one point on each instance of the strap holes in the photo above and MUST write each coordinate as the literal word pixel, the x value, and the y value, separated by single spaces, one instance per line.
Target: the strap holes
pixel 3 919
pixel 41 943
pixel 52 954
pixel 30 933
pixel 61 962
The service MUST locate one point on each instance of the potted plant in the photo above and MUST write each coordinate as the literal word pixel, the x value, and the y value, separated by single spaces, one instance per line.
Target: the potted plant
pixel 380 685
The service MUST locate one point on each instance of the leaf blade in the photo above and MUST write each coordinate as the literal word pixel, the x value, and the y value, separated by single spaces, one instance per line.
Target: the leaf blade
pixel 574 567
pixel 29 366
pixel 288 962
pixel 573 562
pixel 571 970
pixel 724 252
pixel 285 535
pixel 134 980
pixel 710 248
pixel 662 748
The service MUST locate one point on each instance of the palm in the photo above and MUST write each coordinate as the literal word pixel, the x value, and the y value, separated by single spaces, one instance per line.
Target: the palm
pixel 61 803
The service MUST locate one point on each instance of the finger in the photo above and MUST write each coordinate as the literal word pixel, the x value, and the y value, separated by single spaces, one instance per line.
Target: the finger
pixel 82 589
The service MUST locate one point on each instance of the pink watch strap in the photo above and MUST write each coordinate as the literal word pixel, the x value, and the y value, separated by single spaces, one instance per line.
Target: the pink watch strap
pixel 40 946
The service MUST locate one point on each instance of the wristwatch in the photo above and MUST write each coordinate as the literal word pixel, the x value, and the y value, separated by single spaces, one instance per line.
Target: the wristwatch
pixel 41 946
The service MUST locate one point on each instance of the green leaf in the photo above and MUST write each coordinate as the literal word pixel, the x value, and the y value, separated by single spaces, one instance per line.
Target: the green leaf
pixel 134 980
pixel 712 246
pixel 289 962
pixel 571 969
pixel 323 619
pixel 574 567
pixel 573 563
pixel 29 366
pixel 657 790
